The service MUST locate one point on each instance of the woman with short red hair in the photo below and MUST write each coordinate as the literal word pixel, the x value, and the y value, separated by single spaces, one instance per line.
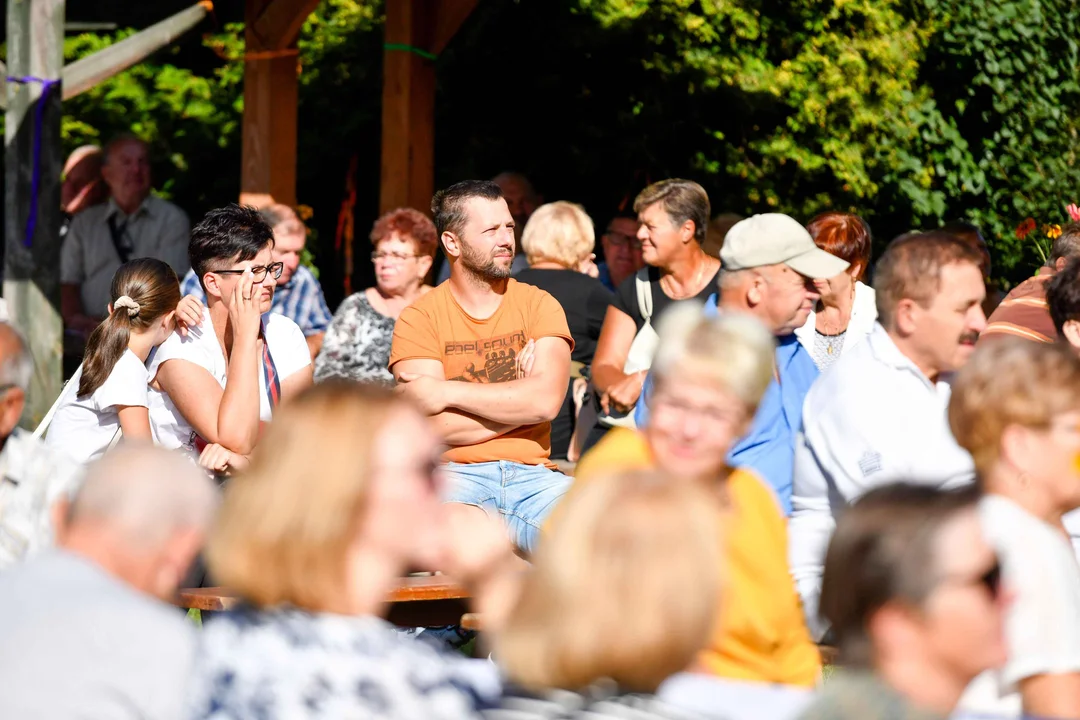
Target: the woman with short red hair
pixel 847 310
pixel 357 344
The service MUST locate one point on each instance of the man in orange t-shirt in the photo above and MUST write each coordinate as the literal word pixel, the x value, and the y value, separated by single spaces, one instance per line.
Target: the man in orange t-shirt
pixel 488 358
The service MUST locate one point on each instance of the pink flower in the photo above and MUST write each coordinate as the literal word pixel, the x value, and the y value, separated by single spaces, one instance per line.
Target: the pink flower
pixel 1074 212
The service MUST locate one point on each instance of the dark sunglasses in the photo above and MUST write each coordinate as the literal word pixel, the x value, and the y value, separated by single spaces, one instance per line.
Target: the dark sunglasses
pixel 258 273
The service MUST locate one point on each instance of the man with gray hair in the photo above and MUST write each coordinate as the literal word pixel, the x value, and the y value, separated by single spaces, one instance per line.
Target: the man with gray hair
pixel 32 477
pixel 768 265
pixel 87 629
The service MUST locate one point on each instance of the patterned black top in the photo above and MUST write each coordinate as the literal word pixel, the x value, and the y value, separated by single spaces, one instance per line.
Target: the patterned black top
pixel 357 344
pixel 278 664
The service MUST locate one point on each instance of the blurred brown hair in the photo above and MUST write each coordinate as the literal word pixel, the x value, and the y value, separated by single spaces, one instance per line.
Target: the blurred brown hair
pixel 682 200
pixel 883 551
pixel 626 587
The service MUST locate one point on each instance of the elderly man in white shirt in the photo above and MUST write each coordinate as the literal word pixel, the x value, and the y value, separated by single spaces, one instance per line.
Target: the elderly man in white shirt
pixel 132 224
pixel 879 414
pixel 32 476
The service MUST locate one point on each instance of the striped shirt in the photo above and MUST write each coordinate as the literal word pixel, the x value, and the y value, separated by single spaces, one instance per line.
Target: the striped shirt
pixel 301 300
pixel 1024 312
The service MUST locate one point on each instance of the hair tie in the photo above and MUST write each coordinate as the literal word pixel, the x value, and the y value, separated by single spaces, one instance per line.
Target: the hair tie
pixel 125 302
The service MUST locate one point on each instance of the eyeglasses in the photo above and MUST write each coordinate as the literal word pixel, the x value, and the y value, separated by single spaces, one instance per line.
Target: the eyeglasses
pixel 391 256
pixel 990 580
pixel 620 241
pixel 258 272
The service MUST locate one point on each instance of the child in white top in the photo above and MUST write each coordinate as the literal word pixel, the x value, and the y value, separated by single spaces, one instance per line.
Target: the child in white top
pixel 109 393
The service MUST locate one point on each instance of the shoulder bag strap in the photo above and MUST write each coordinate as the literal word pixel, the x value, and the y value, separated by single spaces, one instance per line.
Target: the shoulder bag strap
pixel 644 294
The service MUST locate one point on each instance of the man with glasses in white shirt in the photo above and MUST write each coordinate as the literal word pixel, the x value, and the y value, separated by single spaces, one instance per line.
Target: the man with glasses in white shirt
pixel 879 414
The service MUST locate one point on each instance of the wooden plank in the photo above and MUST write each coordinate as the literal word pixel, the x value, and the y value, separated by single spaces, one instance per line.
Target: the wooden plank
pixel 411 589
pixel 268 156
pixel 32 275
pixel 279 22
pixel 89 71
pixel 448 20
pixel 407 177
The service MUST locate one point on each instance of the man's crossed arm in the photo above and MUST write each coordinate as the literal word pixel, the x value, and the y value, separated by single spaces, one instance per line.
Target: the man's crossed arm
pixel 469 413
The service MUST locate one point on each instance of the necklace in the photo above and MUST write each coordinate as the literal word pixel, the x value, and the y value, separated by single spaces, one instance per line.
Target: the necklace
pixel 696 284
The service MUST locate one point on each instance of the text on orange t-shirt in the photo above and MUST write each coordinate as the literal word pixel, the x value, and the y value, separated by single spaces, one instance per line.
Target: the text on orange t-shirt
pixel 436 327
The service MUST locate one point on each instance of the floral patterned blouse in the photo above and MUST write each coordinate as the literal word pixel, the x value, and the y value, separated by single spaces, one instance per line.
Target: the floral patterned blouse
pixel 357 344
pixel 288 663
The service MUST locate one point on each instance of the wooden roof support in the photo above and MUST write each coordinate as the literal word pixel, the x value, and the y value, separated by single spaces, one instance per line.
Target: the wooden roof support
pixel 415 30
pixel 271 66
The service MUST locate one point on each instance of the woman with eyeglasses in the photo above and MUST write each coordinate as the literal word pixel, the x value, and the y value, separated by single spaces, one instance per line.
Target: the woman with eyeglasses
pixel 710 375
pixel 912 591
pixel 213 388
pixel 357 343
pixel 1015 407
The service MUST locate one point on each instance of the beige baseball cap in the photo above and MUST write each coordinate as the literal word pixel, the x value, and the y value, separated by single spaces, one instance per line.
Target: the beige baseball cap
pixel 775 238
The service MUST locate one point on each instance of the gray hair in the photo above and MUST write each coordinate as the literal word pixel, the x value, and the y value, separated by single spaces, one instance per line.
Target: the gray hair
pixel 731 279
pixel 277 213
pixel 146 494
pixel 123 139
pixel 17 364
pixel 1067 245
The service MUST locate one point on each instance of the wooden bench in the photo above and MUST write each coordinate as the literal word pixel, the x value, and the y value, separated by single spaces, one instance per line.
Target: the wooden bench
pixel 429 601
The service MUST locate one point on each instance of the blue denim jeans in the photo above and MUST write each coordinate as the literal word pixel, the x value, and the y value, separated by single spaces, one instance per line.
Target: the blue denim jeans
pixel 522 494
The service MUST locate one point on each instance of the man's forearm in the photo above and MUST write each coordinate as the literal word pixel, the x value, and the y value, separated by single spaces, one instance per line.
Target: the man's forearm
pixel 518 402
pixel 460 428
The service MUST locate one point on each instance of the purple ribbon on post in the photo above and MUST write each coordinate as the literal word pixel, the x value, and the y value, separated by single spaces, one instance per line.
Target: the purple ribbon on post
pixel 39 122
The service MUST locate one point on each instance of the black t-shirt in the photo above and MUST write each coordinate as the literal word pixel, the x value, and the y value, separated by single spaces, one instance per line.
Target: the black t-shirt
pixel 584 300
pixel 626 298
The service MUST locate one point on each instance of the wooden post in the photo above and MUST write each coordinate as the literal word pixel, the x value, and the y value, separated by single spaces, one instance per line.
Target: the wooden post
pixel 416 31
pixel 35 41
pixel 270 97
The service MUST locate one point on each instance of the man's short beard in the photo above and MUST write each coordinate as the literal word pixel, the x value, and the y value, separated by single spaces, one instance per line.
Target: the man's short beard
pixel 482 267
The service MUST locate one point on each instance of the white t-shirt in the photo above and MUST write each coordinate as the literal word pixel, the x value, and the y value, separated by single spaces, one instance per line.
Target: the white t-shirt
pixel 83 428
pixel 284 339
pixel 1042 624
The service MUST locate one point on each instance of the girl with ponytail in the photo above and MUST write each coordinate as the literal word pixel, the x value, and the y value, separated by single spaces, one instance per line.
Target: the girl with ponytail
pixel 112 391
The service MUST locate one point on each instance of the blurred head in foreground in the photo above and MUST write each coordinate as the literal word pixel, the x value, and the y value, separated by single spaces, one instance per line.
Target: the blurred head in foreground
pixel 141 515
pixel 337 504
pixel 912 592
pixel 626 588
pixel 709 375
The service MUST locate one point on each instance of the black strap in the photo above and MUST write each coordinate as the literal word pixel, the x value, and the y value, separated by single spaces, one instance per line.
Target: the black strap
pixel 123 250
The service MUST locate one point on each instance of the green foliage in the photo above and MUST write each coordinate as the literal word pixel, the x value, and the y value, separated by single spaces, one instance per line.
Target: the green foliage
pixel 1007 72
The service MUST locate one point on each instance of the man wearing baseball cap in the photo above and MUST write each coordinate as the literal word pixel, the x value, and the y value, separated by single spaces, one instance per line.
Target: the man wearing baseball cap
pixel 768 265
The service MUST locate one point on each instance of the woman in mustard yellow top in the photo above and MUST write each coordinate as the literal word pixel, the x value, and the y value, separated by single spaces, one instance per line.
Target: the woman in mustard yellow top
pixel 710 375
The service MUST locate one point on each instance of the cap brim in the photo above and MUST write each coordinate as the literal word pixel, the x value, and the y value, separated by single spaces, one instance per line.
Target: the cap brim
pixel 817 264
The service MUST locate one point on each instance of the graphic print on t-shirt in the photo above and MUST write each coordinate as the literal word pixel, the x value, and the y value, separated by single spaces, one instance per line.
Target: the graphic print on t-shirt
pixel 483 361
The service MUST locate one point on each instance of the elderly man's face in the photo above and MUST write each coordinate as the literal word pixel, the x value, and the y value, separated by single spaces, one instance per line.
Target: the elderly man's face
pixel 289 239
pixel 127 173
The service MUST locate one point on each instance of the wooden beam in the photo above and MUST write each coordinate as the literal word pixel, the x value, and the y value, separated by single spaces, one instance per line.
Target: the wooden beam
pixel 408 111
pixel 89 71
pixel 35 47
pixel 279 21
pixel 449 16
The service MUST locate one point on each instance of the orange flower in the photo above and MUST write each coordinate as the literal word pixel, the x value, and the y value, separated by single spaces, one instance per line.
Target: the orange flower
pixel 305 212
pixel 1024 228
pixel 1053 231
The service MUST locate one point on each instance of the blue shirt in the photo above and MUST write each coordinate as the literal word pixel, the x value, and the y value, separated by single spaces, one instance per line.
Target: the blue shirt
pixel 605 276
pixel 769 448
pixel 301 300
